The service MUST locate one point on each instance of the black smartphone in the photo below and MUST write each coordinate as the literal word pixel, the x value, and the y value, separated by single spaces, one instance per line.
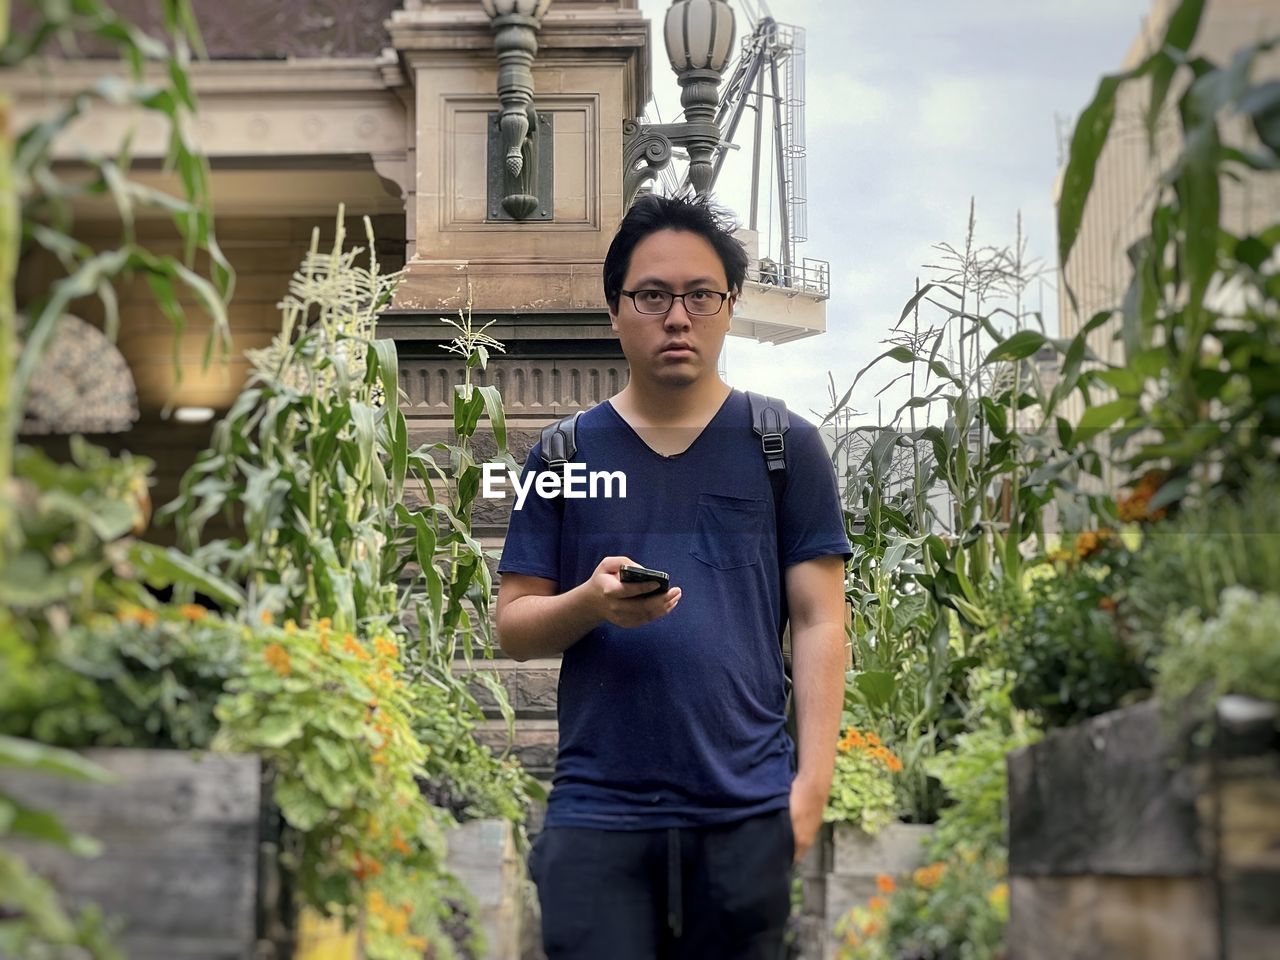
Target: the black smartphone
pixel 628 573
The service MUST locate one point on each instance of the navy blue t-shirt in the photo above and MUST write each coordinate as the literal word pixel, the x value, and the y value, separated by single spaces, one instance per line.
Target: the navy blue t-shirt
pixel 679 722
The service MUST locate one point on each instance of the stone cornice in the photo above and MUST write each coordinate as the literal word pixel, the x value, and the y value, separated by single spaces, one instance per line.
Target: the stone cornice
pixel 311 75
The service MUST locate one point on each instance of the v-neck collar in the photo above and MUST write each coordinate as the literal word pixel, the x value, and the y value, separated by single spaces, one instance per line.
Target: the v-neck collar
pixel 687 450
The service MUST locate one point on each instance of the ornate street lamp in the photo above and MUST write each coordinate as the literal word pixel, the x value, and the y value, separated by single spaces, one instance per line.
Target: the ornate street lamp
pixel 515 25
pixel 699 39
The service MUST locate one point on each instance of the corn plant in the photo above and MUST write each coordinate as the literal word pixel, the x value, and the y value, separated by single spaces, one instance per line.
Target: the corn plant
pixel 64 548
pixel 1198 395
pixel 950 492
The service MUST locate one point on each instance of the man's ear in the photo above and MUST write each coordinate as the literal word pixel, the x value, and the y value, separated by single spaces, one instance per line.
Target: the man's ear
pixel 613 318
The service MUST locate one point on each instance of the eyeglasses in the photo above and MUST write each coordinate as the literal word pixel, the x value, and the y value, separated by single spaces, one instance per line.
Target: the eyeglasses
pixel 697 303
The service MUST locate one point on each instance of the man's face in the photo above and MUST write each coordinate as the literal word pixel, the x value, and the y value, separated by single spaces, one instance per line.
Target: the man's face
pixel 676 349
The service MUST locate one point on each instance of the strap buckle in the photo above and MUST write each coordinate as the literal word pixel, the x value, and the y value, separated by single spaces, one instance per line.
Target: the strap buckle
pixel 772 444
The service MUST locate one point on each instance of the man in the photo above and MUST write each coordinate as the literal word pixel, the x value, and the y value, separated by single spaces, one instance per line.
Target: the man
pixel 679 802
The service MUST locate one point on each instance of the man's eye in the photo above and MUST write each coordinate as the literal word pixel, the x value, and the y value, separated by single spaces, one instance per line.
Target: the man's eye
pixel 702 296
pixel 651 296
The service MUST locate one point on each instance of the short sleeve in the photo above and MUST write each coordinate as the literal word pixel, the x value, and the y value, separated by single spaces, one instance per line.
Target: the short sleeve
pixel 532 547
pixel 812 514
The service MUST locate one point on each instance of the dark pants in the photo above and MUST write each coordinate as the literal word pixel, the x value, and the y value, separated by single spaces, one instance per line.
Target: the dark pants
pixel 705 893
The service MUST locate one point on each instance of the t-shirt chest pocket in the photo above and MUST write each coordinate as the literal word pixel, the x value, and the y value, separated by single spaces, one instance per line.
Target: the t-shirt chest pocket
pixel 728 531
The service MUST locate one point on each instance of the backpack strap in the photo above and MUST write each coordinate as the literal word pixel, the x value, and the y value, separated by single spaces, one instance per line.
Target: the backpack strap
pixel 560 441
pixel 770 422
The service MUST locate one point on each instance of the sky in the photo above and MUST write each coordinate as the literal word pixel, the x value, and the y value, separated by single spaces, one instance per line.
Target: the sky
pixel 912 109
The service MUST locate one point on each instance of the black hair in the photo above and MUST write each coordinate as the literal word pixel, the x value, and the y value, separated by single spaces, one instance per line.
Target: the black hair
pixel 651 213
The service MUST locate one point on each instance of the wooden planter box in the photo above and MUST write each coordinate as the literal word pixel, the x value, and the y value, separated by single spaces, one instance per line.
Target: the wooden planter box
pixel 1123 846
pixel 839 873
pixel 179 864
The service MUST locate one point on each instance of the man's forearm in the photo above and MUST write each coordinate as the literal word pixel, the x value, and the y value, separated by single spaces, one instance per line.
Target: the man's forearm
pixel 817 675
pixel 536 626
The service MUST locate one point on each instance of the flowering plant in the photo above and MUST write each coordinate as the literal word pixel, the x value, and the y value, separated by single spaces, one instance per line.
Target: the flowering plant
pixel 862 788
pixel 953 909
pixel 332 716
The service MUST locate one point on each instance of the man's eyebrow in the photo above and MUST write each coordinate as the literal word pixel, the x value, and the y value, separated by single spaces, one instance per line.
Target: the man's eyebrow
pixel 657 283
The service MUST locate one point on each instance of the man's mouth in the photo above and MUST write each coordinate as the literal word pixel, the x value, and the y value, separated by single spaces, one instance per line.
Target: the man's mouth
pixel 677 348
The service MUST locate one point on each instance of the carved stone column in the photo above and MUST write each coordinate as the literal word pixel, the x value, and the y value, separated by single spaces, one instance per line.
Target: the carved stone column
pixel 515 26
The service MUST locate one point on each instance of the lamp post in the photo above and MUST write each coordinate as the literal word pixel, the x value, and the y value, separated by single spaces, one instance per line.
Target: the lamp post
pixel 515 25
pixel 699 39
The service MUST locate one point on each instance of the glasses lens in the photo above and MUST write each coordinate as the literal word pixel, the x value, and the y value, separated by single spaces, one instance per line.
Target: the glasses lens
pixel 702 303
pixel 652 301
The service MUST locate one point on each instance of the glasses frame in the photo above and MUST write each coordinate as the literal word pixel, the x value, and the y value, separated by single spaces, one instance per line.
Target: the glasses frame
pixel 724 296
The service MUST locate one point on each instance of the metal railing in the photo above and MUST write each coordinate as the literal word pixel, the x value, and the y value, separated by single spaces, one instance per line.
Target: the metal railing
pixel 809 276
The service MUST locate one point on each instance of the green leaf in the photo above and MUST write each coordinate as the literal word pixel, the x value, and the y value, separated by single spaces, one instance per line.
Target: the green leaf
pixel 277 730
pixel 1022 344
pixel 493 408
pixel 38 757
pixel 1099 418
pixel 877 686
pixel 165 567
pixel 1182 26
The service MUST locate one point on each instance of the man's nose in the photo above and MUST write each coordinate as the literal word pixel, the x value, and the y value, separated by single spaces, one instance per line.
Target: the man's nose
pixel 680 319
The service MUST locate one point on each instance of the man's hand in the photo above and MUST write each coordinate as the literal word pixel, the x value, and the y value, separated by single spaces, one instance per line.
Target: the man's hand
pixel 627 604
pixel 806 816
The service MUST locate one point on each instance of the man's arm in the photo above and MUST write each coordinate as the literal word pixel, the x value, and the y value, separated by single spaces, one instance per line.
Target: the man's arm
pixel 533 620
pixel 815 597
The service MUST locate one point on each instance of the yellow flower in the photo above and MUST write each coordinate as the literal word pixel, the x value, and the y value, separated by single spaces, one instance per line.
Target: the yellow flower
pixel 267 618
pixel 290 627
pixel 193 612
pixel 999 895
pixel 132 613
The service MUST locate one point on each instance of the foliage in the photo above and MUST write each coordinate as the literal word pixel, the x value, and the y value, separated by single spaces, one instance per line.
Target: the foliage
pixel 1062 638
pixel 952 910
pixel 332 715
pixel 1198 396
pixel 956 907
pixel 975 779
pixel 33 922
pixel 46 191
pixel 1187 561
pixel 1233 652
pixel 988 452
pixel 862 788
pixel 314 464
pixel 148 676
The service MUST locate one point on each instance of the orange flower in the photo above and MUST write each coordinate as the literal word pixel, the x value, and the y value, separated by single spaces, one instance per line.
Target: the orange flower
pixel 277 658
pixel 873 740
pixel 877 903
pixel 397 841
pixel 886 883
pixel 267 618
pixel 324 624
pixel 1108 604
pixel 193 612
pixel 416 943
pixel 132 613
pixel 893 763
pixel 365 867
pixel 351 645
pixel 324 644
pixel 930 876
pixel 379 758
pixel 871 927
pixel 386 647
